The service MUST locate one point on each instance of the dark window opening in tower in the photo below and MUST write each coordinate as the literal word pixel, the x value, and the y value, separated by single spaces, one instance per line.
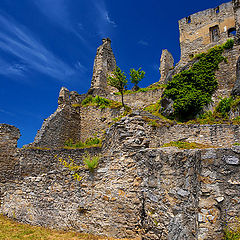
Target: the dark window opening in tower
pixel 188 19
pixel 232 32
pixel 214 33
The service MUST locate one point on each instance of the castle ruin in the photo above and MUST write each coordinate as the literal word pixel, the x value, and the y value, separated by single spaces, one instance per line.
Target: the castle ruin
pixel 140 189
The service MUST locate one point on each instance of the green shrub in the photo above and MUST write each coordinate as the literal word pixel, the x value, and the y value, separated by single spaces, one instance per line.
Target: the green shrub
pixel 87 100
pixel 193 88
pixel 236 144
pixel 229 44
pixel 224 107
pixel 90 162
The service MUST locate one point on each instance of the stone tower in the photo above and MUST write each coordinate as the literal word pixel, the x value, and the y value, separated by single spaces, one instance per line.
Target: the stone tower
pixel 104 64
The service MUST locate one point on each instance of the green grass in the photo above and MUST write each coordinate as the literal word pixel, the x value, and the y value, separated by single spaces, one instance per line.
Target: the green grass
pixel 11 230
pixel 154 109
pixel 233 232
pixel 186 145
pixel 150 88
pixel 90 142
pixel 100 102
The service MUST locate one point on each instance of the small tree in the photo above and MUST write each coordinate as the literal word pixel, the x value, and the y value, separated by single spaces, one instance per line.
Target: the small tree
pixel 118 80
pixel 136 76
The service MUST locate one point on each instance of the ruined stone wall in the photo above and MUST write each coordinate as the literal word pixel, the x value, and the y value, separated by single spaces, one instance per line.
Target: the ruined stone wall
pixel 153 193
pixel 139 99
pixel 139 130
pixel 9 136
pixel 197 30
pixel 63 124
pixel 226 75
pixel 95 121
pixel 104 202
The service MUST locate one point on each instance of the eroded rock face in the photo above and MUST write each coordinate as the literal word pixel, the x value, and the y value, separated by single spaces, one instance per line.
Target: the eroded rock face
pixel 104 64
pixel 167 107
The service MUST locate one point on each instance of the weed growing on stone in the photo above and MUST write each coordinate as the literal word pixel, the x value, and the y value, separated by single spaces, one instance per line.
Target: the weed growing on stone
pixel 100 102
pixel 232 231
pixel 236 144
pixel 149 88
pixel 75 105
pixel 186 145
pixel 90 162
pixel 229 44
pixel 224 107
pixel 90 142
pixel 71 166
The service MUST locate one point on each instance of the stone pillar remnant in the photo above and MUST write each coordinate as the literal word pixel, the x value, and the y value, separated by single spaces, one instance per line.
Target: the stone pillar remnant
pixel 104 64
pixel 166 64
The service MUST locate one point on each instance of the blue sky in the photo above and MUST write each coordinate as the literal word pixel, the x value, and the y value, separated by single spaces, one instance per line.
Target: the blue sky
pixel 47 44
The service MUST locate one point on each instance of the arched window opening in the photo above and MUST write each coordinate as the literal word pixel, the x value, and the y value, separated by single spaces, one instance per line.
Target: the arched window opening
pixel 232 32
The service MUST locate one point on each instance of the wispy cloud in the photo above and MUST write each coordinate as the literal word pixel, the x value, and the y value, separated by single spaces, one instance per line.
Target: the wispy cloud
pixel 104 22
pixel 6 112
pixel 18 41
pixel 57 11
pixel 143 43
pixel 11 69
pixel 109 20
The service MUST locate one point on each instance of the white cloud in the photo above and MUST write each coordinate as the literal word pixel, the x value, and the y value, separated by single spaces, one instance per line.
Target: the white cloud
pixel 18 41
pixel 144 43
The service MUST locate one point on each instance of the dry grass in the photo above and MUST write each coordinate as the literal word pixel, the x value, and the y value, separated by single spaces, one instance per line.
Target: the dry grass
pixel 11 230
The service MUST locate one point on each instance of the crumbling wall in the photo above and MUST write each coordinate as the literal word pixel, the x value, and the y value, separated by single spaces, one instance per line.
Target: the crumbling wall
pixel 141 130
pixel 136 191
pixel 9 136
pixel 139 99
pixel 63 124
pixel 205 29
